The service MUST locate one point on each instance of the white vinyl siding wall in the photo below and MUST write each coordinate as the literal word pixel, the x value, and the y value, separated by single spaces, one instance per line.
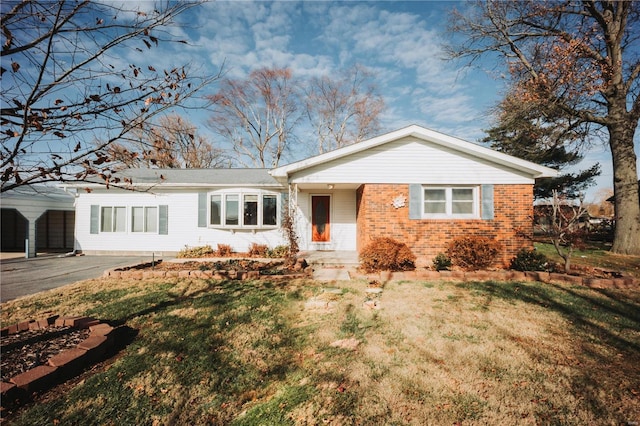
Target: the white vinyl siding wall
pixel 410 160
pixel 183 230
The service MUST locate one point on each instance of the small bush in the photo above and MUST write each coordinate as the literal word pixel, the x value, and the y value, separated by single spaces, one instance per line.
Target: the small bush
pixel 387 254
pixel 224 250
pixel 441 262
pixel 529 260
pixel 472 253
pixel 194 252
pixel 278 252
pixel 258 250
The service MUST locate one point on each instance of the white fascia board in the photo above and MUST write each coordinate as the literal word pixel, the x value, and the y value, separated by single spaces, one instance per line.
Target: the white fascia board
pixel 171 186
pixel 533 169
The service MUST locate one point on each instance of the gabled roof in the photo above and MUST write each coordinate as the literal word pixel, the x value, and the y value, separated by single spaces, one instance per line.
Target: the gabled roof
pixel 189 178
pixel 431 136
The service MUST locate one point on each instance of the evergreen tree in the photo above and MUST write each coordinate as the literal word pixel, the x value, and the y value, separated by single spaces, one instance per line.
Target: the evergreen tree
pixel 554 143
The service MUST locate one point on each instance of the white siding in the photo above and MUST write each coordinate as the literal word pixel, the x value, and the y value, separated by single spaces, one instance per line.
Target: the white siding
pixel 182 225
pixel 343 220
pixel 410 160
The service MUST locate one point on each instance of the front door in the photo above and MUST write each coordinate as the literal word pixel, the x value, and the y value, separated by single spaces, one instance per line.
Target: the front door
pixel 320 218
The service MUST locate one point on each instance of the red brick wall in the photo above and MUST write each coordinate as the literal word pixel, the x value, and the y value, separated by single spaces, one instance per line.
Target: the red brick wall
pixel 377 217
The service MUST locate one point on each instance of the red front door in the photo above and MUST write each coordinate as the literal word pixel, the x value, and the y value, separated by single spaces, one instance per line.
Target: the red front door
pixel 320 218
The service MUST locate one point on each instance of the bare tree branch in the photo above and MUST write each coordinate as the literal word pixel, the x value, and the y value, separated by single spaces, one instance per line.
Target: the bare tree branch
pixel 68 95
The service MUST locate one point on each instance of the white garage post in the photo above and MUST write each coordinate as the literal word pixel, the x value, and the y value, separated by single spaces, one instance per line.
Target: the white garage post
pixel 30 243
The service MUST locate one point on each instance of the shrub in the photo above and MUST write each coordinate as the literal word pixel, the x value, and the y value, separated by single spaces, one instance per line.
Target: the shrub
pixel 387 254
pixel 529 260
pixel 201 251
pixel 473 252
pixel 258 250
pixel 224 250
pixel 278 252
pixel 441 262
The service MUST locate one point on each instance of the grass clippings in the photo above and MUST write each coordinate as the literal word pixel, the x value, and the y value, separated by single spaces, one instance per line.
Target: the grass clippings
pixel 249 353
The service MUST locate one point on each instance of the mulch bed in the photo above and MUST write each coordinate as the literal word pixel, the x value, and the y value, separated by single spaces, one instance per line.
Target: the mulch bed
pixel 31 348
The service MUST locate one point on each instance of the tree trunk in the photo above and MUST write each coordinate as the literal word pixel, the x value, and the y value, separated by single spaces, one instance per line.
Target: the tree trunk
pixel 625 187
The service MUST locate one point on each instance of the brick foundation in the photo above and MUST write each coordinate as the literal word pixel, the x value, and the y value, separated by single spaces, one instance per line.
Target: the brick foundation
pixel 512 224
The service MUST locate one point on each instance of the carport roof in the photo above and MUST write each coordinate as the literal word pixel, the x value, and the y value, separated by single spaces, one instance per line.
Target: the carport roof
pixel 41 192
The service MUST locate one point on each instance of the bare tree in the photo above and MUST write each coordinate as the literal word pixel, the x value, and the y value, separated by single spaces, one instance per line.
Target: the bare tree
pixel 171 143
pixel 343 110
pixel 575 58
pixel 257 115
pixel 66 95
pixel 560 222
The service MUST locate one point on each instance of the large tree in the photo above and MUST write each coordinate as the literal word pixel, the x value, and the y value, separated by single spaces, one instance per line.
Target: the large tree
pixel 68 91
pixel 257 115
pixel 170 142
pixel 344 109
pixel 552 141
pixel 579 58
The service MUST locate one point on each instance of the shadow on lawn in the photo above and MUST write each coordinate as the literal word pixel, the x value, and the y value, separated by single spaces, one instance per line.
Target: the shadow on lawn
pixel 603 355
pixel 600 313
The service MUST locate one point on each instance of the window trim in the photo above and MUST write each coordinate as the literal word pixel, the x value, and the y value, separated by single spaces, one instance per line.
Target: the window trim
pixel 449 202
pixel 113 220
pixel 241 194
pixel 144 220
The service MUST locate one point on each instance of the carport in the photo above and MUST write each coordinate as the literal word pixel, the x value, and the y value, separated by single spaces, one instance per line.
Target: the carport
pixel 37 218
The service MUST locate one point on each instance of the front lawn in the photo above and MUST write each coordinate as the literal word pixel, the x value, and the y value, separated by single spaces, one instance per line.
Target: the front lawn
pixel 257 353
pixel 595 257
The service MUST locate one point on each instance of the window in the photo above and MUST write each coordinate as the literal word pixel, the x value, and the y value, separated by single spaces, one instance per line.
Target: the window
pixel 113 219
pixel 243 210
pixel 231 208
pixel 215 210
pixel 144 219
pixel 250 209
pixel 450 202
pixel 269 210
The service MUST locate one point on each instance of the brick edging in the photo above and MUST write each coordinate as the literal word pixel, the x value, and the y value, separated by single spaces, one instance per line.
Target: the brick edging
pixel 504 275
pixel 301 266
pixel 62 366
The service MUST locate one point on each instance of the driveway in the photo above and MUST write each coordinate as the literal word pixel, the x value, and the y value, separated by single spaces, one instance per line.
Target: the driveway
pixel 20 277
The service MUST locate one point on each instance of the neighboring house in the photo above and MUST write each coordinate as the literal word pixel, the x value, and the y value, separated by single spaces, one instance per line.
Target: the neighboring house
pixel 414 184
pixel 37 218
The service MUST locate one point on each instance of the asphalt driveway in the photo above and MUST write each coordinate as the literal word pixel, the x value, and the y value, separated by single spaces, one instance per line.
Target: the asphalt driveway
pixel 20 277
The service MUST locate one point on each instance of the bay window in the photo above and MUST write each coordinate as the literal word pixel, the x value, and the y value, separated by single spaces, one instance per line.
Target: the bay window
pixel 251 210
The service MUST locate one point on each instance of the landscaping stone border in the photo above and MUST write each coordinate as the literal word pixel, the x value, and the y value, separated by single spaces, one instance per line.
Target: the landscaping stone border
pixel 63 366
pixel 139 274
pixel 385 276
pixel 503 275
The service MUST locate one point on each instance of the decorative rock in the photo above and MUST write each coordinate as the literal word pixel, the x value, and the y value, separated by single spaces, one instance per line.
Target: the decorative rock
pixel 350 344
pixel 315 304
pixel 371 304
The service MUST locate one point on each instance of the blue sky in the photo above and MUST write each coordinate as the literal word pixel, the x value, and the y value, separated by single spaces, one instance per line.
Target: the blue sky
pixel 400 42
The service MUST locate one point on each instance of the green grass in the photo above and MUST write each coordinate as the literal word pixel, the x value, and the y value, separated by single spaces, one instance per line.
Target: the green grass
pixel 248 353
